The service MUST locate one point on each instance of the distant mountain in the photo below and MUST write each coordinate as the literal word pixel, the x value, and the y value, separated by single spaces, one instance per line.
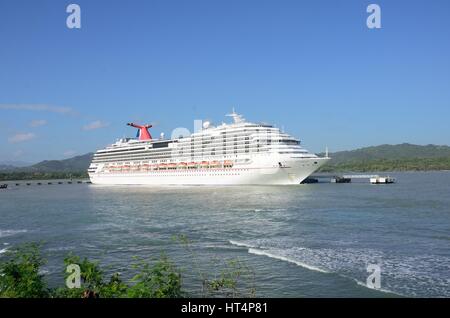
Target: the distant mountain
pixel 391 157
pixel 4 167
pixel 75 164
pixel 14 163
pixel 377 158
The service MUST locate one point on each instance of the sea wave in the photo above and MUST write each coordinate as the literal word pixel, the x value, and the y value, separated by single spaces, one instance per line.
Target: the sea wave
pixel 241 244
pixel 256 251
pixel 5 233
pixel 419 275
pixel 252 249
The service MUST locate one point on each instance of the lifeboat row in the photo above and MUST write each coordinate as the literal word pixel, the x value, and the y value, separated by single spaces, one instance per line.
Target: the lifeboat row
pixel 171 166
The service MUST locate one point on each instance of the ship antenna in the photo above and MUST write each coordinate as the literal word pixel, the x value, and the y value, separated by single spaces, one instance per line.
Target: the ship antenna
pixel 236 117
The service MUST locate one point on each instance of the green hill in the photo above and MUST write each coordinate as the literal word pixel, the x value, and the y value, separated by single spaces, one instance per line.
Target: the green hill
pixel 402 157
pixel 75 167
pixel 75 164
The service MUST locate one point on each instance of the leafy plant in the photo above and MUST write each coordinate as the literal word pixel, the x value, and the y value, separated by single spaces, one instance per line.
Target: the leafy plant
pixel 20 274
pixel 224 277
pixel 158 281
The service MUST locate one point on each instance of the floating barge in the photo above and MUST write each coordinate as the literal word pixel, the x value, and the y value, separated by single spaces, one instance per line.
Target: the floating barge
pixel 337 179
pixel 382 180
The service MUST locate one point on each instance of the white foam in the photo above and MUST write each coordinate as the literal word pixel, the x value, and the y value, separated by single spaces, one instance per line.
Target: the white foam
pixel 286 259
pixel 419 275
pixel 360 283
pixel 4 233
pixel 241 244
pixel 3 250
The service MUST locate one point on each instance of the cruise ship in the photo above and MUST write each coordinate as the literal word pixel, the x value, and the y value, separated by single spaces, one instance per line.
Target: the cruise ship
pixel 233 153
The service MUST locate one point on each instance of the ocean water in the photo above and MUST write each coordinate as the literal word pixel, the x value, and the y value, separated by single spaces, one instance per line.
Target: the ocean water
pixel 312 240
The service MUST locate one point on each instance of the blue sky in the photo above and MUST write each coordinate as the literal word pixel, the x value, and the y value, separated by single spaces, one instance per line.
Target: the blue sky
pixel 310 66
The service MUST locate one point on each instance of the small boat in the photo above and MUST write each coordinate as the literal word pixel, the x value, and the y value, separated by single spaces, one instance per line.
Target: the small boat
pixel 192 165
pixel 215 164
pixel 3 186
pixel 204 164
pixel 228 164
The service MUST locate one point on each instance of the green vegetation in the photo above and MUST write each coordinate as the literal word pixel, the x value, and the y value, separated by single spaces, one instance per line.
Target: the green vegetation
pixel 75 167
pixel 29 175
pixel 232 278
pixel 412 164
pixel 403 157
pixel 20 277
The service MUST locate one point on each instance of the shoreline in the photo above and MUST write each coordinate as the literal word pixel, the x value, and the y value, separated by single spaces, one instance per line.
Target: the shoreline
pixel 86 178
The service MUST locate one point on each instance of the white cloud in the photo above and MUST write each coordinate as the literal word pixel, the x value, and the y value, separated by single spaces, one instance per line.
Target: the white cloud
pixel 69 153
pixel 38 107
pixel 95 125
pixel 21 137
pixel 38 122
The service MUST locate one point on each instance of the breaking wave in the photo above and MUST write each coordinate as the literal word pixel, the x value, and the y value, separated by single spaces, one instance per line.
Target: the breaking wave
pixel 418 275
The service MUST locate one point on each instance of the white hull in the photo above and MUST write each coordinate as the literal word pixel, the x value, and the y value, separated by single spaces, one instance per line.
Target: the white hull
pixel 292 172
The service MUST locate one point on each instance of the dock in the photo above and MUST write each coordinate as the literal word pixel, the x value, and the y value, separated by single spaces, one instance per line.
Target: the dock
pixel 41 182
pixel 347 178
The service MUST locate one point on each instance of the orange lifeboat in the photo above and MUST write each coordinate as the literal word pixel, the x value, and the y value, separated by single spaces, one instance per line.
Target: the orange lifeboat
pixel 215 164
pixel 204 164
pixel 182 165
pixel 228 164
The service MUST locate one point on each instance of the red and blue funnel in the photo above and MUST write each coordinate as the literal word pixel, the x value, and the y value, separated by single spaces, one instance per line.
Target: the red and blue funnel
pixel 142 132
